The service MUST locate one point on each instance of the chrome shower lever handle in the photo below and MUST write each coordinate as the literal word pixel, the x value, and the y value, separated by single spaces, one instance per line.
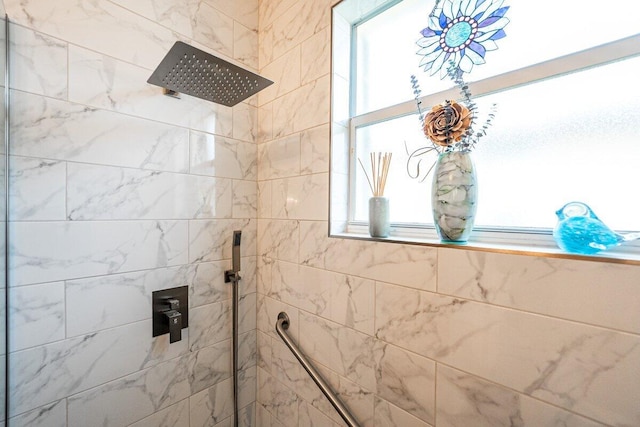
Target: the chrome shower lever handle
pixel 175 320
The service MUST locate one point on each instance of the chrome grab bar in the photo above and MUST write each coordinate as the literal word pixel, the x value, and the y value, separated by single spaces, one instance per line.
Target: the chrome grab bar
pixel 282 325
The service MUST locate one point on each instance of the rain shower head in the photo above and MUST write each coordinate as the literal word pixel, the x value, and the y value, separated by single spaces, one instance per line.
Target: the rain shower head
pixel 194 72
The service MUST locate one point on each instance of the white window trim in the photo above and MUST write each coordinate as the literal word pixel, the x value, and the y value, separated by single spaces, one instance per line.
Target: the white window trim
pixel 510 240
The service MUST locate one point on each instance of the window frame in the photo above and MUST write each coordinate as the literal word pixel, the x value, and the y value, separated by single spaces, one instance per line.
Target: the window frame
pixel 513 237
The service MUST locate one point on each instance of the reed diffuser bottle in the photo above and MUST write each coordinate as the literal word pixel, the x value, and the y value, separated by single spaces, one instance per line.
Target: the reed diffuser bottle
pixel 378 204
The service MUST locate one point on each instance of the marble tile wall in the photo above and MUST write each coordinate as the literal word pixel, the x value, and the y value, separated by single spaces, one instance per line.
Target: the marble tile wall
pixel 118 191
pixel 408 335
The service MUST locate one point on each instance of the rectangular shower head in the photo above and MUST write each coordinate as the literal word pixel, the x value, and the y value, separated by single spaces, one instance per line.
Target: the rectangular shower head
pixel 191 71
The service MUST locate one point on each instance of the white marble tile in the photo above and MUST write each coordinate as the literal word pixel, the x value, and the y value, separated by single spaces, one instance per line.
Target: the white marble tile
pixel 247 313
pixel 278 400
pixel 315 56
pixel 270 10
pixel 306 288
pixel 339 212
pixel 467 400
pixel 247 353
pixel 97 25
pixel 388 415
pixel 247 415
pixel 304 108
pixel 358 399
pixel 208 284
pixel 265 123
pixel 105 82
pixel 406 380
pixel 245 117
pixel 602 294
pixel 304 197
pixel 213 29
pixel 212 405
pixel 248 272
pixel 263 356
pixel 347 300
pixel 209 324
pixel 267 315
pixel 264 199
pixel 354 303
pixel 279 158
pixel 247 386
pixel 46 251
pixel 214 155
pixel 343 350
pixel 36 315
pixel 45 374
pixel 176 15
pixel 408 265
pixel 314 150
pixel 285 74
pixel 38 63
pixel 102 192
pixel 312 417
pixel 585 369
pixel 51 415
pixel 294 25
pixel 245 199
pixel 263 274
pixel 44 127
pixel 131 398
pixel 279 239
pixel 210 240
pixel 173 416
pixel 286 369
pixel 91 303
pixel 245 45
pixel 37 189
pixel 246 12
pixel 209 366
pixel 263 417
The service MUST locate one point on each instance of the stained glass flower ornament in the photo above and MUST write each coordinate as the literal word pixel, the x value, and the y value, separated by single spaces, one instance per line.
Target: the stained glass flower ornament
pixel 461 32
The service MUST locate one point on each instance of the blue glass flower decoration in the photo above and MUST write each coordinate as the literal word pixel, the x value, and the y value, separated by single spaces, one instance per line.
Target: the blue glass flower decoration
pixel 461 32
pixel 580 231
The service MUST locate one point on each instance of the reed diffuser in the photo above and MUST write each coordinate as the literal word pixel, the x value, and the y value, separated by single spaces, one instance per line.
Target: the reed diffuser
pixel 378 204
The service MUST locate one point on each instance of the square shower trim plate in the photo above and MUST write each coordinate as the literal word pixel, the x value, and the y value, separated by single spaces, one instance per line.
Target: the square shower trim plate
pixel 186 69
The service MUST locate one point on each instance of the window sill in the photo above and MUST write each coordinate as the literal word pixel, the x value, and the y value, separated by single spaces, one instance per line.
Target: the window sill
pixel 539 245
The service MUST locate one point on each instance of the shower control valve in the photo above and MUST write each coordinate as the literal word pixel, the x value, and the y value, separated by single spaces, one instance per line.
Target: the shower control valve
pixel 170 312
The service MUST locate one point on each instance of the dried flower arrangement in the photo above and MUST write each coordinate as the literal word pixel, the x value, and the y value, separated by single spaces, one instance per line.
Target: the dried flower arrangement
pixel 449 126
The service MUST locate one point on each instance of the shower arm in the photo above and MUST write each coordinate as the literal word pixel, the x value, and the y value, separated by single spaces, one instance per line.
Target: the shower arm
pixel 282 324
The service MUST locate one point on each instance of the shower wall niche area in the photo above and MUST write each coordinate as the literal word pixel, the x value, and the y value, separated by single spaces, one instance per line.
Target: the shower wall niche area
pixel 117 191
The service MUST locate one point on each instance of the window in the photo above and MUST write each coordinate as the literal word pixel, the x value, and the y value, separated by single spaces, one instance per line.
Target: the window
pixel 564 80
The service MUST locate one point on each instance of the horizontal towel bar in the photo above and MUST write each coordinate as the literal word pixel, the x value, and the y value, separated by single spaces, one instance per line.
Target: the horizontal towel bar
pixel 282 325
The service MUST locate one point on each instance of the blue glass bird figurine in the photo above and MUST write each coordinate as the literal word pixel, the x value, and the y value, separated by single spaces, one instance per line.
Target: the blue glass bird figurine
pixel 580 231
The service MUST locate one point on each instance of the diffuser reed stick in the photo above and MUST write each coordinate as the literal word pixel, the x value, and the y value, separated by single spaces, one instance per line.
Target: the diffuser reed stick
pixel 380 163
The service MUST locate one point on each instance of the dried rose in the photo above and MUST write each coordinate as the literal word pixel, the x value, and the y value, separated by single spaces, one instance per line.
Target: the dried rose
pixel 447 123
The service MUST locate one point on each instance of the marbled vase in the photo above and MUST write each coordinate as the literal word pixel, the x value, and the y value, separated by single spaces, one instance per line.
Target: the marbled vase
pixel 379 217
pixel 454 195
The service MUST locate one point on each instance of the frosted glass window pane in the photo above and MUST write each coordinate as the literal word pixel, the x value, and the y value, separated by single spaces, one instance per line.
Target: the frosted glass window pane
pixel 386 55
pixel 409 199
pixel 571 138
pixel 539 31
